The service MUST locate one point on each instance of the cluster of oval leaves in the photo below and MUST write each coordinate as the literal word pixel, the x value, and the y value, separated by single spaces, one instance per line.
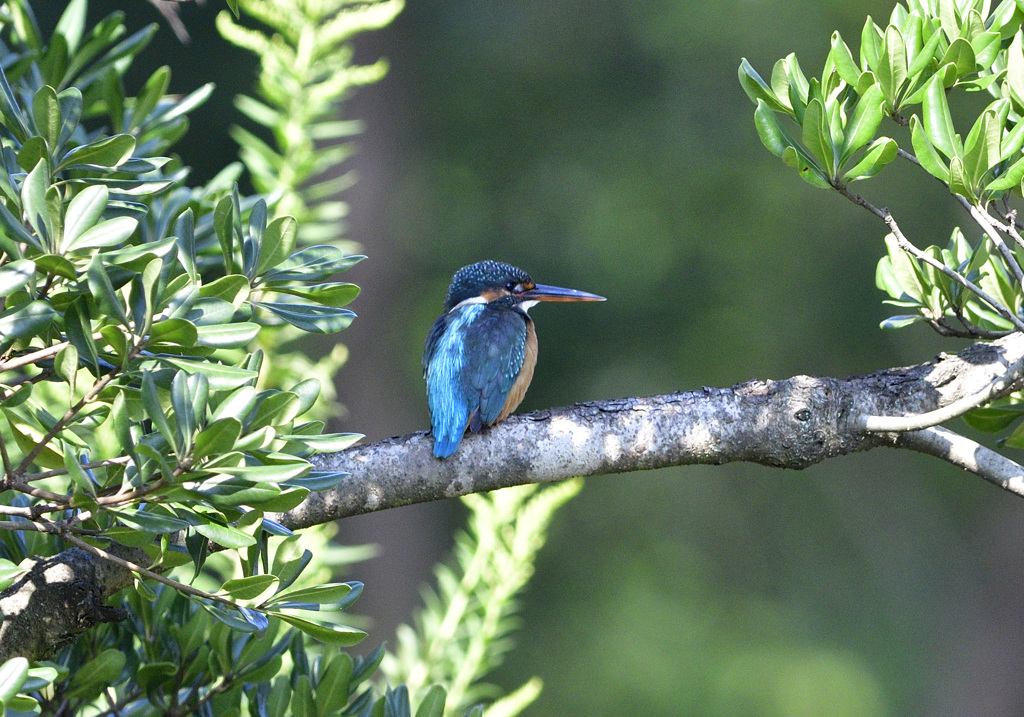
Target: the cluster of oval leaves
pixel 128 389
pixel 905 72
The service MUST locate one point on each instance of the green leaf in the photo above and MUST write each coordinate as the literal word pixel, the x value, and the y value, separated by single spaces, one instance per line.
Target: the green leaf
pixel 1010 178
pixel 26 321
pixel 314 319
pixel 153 91
pixel 433 703
pixel 276 473
pixel 757 89
pixel 65 365
pixel 325 443
pixel 959 183
pixel 277 243
pixel 315 263
pixel 155 411
pixel 961 55
pixel 10 110
pixel 103 291
pixel 1015 71
pixel 109 153
pixel 843 60
pixel 227 336
pixel 34 203
pixel 13 674
pixel 926 153
pixel 217 438
pixel 816 136
pixel 247 588
pixel 992 420
pixel 220 375
pixel 863 125
pixel 9 572
pixel 149 522
pixel 78 327
pixel 336 294
pixel 327 594
pixel 93 675
pixel 328 633
pixel 71 24
pixel 46 115
pixel 83 212
pixel 891 70
pixel 225 535
pixel 882 151
pixel 332 691
pixel 15 275
pixel 78 475
pixel 233 288
pixel 775 139
pixel 938 124
pixel 174 332
pixel 112 232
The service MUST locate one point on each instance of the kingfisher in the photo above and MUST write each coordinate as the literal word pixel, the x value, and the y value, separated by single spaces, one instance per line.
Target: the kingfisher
pixel 481 352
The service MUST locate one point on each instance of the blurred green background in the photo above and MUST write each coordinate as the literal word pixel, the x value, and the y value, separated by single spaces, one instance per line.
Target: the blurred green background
pixel 607 146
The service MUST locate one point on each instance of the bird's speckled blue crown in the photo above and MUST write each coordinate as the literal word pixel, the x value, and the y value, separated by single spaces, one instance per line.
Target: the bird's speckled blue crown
pixel 470 281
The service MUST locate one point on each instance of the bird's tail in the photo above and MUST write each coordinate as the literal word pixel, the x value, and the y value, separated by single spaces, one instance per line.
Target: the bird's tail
pixel 445 445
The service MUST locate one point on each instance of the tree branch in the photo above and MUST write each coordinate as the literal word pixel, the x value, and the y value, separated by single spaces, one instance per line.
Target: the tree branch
pixel 791 423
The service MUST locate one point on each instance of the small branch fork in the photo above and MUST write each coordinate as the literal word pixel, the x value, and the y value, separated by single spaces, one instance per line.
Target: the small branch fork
pixel 921 426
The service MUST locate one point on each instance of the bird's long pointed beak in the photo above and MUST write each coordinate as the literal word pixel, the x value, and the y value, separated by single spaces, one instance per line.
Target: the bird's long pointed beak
pixel 556 293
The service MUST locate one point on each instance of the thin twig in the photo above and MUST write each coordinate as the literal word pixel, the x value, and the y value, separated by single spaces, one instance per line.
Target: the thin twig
pixel 93 392
pixel 908 247
pixel 120 460
pixel 146 572
pixel 985 221
pixel 967 454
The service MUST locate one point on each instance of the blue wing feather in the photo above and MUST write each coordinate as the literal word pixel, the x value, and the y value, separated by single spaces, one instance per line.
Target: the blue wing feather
pixel 472 357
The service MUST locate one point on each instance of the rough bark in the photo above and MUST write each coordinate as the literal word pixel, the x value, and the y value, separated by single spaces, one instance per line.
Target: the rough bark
pixel 791 423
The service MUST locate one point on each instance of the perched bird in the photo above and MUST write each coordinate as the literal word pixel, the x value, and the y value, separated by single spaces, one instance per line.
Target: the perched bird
pixel 481 352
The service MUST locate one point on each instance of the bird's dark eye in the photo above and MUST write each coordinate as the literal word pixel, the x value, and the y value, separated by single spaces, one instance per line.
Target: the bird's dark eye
pixel 511 287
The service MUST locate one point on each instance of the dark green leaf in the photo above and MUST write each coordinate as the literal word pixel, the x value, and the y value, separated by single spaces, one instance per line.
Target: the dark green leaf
pixel 329 633
pixel 992 420
pixel 225 535
pixel 109 152
pixel 320 595
pixel 217 438
pixel 176 332
pixel 25 321
pixel 314 319
pixel 46 114
pixel 103 291
pixel 78 327
pixel 95 674
pixel 15 275
pixel 336 294
pixel 225 336
pixel 155 411
pixel 315 263
pixel 150 522
pixel 247 588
